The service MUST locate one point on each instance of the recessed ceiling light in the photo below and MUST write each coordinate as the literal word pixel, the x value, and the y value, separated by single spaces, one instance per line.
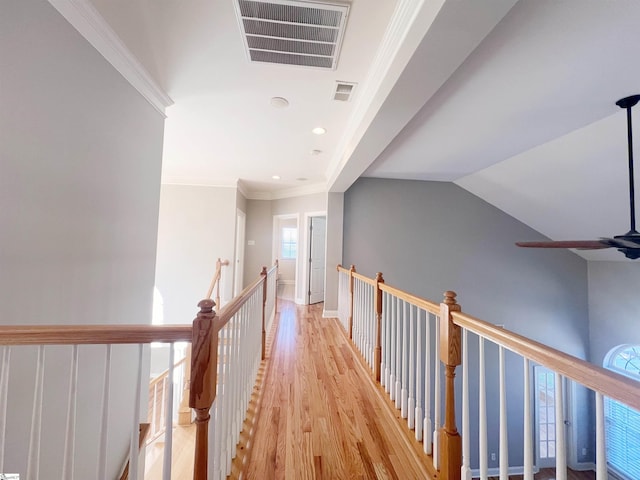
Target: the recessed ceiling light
pixel 279 102
pixel 316 152
pixel 319 131
pixel 276 177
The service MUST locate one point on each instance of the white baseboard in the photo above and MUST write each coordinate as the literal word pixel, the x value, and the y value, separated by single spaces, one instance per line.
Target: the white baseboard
pixel 495 471
pixel 330 314
pixel 300 301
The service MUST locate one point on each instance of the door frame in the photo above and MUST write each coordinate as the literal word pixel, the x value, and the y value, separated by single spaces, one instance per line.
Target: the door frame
pixel 307 252
pixel 275 250
pixel 238 261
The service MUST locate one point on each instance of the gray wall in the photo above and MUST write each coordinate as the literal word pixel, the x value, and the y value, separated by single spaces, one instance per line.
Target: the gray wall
pixel 196 227
pixel 428 237
pixel 260 229
pixel 614 306
pixel 80 158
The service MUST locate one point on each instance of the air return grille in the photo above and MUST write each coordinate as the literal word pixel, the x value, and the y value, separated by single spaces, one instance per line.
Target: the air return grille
pixel 292 32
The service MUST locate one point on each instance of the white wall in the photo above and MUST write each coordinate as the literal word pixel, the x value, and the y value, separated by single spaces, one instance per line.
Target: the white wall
pixel 196 227
pixel 80 158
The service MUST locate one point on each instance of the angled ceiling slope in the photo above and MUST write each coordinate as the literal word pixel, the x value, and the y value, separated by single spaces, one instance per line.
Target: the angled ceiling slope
pixel 289 32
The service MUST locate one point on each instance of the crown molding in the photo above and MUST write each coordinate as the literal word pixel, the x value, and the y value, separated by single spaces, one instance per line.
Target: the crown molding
pixel 287 192
pixel 84 17
pixel 196 182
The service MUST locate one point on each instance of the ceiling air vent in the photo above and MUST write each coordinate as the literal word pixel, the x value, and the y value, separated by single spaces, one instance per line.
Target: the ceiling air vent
pixel 288 32
pixel 344 90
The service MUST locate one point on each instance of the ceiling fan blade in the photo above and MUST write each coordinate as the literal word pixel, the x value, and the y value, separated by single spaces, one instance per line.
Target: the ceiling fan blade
pixel 579 244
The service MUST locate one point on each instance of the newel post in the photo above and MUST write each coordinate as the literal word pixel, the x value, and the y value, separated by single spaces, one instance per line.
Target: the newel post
pixel 204 362
pixel 450 355
pixel 352 270
pixel 263 274
pixel 377 352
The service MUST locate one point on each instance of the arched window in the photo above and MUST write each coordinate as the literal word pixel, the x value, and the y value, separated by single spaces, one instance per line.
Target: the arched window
pixel 622 422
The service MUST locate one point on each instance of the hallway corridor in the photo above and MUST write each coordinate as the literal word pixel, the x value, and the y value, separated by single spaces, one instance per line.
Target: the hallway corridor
pixel 320 414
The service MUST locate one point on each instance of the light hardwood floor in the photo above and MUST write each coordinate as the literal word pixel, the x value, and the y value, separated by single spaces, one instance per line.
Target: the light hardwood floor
pixel 320 414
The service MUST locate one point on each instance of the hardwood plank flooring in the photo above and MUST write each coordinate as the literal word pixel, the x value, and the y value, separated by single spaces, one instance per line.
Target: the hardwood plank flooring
pixel 319 414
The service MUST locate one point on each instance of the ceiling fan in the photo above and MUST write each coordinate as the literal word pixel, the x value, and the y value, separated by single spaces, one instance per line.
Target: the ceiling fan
pixel 629 243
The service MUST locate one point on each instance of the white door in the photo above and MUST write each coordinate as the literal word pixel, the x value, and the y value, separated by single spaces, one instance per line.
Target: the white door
pixel 239 260
pixel 317 227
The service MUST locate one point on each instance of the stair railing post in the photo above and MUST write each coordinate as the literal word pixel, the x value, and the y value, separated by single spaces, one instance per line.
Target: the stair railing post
pixel 204 365
pixel 352 270
pixel 263 274
pixel 377 352
pixel 450 355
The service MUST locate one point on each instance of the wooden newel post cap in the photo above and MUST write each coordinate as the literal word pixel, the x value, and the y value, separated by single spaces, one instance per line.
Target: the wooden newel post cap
pixel 264 271
pixel 352 268
pixel 379 278
pixel 206 306
pixel 450 297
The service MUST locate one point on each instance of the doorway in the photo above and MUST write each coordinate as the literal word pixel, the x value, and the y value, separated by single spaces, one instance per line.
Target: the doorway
pixel 286 250
pixel 317 234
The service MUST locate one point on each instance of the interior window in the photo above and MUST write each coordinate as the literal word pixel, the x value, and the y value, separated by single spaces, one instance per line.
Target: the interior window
pixel 622 423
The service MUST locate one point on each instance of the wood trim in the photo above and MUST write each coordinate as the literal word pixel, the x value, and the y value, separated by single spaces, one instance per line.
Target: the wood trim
pixel 607 382
pixel 412 299
pixel 92 334
pixel 362 278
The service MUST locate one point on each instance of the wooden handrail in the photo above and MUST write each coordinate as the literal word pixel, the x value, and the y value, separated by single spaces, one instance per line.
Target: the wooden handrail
pixel 92 334
pixel 362 278
pixel 230 309
pixel 607 382
pixel 215 281
pixel 412 299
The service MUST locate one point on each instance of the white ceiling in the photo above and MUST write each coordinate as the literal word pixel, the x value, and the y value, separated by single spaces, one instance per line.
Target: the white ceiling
pixel 512 101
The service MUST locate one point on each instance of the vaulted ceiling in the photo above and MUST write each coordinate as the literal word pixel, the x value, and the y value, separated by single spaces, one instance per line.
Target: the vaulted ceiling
pixel 512 100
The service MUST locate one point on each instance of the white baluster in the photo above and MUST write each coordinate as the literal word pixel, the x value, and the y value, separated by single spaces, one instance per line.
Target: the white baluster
pixel 482 411
pixel 391 387
pixel 405 365
pixel 465 471
pixel 561 448
pixel 399 353
pixel 436 397
pixel 601 453
pixel 4 390
pixel 383 341
pixel 419 377
pixel 168 429
pixel 33 465
pixel 104 424
pixel 134 449
pixel 504 446
pixel 528 431
pixel 411 406
pixel 427 426
pixel 70 435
